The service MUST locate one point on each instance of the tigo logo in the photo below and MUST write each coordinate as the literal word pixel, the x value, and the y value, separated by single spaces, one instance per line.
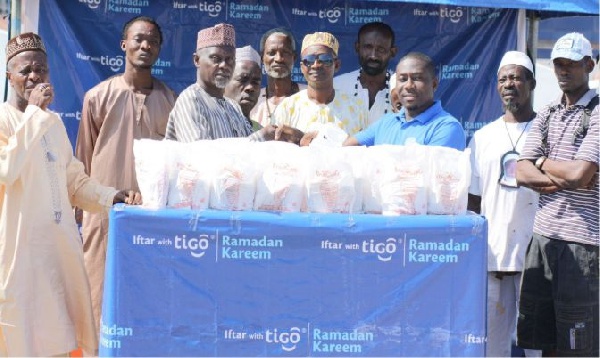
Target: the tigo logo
pixel 288 340
pixel 384 250
pixel 454 14
pixel 115 63
pixel 196 246
pixel 213 10
pixel 92 4
pixel 332 15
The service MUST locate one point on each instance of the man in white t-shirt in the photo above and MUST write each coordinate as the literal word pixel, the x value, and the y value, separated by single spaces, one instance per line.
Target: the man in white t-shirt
pixel 371 82
pixel 509 209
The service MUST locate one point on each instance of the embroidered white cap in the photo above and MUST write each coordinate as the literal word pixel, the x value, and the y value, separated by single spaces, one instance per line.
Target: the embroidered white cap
pixel 573 46
pixel 516 58
pixel 247 53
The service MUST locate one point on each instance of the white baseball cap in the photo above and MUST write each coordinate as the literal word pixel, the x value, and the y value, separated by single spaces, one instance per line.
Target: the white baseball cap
pixel 573 46
pixel 516 58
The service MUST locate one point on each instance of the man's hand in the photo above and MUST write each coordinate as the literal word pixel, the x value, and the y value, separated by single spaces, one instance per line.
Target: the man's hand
pixel 41 95
pixel 572 174
pixel 128 197
pixel 308 138
pixel 592 183
pixel 530 176
pixel 288 134
pixel 269 132
pixel 282 133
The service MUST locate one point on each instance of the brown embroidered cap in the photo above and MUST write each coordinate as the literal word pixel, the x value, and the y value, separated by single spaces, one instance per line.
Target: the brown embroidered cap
pixel 27 41
pixel 218 35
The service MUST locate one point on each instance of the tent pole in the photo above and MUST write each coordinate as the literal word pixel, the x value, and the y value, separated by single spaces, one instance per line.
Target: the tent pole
pixel 14 28
pixel 532 38
pixel 15 18
pixel 532 41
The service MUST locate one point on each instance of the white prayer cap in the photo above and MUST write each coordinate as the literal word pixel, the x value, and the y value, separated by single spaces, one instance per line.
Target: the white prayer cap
pixel 247 53
pixel 516 58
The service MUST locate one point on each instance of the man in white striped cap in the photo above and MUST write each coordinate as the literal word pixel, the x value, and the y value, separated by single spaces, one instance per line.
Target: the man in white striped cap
pixel 244 87
pixel 494 194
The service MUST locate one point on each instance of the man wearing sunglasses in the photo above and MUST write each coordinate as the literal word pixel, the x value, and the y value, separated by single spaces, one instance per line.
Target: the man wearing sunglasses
pixel 375 48
pixel 421 119
pixel 320 104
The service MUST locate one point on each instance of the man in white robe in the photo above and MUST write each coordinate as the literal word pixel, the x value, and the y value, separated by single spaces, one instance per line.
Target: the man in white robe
pixel 45 306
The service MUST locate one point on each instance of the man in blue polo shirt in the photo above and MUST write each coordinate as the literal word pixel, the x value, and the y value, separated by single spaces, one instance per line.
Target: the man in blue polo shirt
pixel 421 117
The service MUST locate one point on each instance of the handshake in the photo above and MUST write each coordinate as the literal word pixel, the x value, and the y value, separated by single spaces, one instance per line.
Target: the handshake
pixel 292 135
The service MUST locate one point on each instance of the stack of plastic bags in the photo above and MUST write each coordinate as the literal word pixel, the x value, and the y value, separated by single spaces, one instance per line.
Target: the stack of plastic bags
pixel 236 174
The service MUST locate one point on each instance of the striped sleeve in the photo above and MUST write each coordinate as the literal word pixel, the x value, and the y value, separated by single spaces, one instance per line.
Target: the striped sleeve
pixel 588 150
pixel 186 121
pixel 533 148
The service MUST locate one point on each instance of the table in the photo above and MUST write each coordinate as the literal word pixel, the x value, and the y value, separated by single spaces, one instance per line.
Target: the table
pixel 220 283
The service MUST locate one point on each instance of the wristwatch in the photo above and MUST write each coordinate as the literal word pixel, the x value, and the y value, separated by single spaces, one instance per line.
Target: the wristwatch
pixel 540 161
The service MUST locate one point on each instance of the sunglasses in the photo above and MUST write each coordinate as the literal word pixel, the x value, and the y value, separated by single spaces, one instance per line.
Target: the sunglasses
pixel 325 59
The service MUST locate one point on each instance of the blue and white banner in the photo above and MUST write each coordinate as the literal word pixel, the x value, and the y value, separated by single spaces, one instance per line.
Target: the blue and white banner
pixel 215 283
pixel 569 6
pixel 467 43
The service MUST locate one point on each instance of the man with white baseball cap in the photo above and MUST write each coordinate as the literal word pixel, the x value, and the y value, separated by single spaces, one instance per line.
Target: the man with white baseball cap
pixel 573 46
pixel 558 309
pixel 509 209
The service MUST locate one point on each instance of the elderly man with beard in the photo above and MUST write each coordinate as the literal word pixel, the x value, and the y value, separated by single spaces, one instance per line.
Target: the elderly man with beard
pixel 244 87
pixel 202 111
pixel 278 51
pixel 509 209
pixel 375 48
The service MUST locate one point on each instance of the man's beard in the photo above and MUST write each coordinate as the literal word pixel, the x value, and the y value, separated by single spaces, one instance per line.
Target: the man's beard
pixel 373 71
pixel 221 82
pixel 278 74
pixel 145 66
pixel 511 106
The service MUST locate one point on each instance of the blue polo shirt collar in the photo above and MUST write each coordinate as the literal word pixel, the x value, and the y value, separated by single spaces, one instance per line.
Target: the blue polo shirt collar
pixel 424 117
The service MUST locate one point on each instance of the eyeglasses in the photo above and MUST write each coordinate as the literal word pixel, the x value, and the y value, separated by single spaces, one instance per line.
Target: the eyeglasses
pixel 325 59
